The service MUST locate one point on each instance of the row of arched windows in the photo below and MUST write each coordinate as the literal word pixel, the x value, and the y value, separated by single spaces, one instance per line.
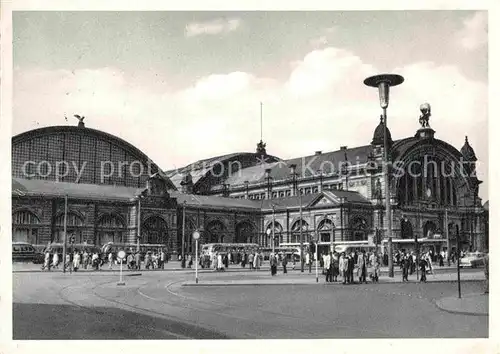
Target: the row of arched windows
pixel 110 228
pixel 358 230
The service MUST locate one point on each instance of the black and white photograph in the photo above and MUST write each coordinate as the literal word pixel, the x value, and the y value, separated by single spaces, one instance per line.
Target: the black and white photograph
pixel 247 174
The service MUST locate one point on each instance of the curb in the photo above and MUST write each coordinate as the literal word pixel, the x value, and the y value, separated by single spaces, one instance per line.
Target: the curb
pixel 322 283
pixel 458 312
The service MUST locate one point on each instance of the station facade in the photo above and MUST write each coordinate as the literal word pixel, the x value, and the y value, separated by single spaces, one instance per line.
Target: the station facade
pixel 115 193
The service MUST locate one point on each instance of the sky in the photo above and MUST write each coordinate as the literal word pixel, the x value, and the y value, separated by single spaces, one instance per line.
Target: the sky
pixel 184 86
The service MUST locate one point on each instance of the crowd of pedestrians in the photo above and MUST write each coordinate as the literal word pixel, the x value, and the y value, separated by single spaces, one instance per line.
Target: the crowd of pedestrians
pixel 220 261
pixel 351 267
pixel 87 259
pixel 74 260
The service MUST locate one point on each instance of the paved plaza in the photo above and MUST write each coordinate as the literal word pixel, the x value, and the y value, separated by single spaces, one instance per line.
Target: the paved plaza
pixel 169 305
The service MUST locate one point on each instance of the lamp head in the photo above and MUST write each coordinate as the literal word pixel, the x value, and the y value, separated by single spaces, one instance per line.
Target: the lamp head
pixel 383 83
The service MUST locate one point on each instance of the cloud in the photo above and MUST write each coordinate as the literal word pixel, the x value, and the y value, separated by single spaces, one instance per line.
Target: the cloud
pixel 321 105
pixel 475 31
pixel 216 26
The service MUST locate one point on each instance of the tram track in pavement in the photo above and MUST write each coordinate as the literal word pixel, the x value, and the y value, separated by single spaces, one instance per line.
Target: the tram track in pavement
pixel 113 317
pixel 190 307
pixel 331 323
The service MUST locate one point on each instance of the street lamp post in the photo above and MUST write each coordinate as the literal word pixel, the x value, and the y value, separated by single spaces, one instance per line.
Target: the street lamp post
pixel 183 228
pixel 273 227
pixel 383 83
pixel 139 223
pixel 296 190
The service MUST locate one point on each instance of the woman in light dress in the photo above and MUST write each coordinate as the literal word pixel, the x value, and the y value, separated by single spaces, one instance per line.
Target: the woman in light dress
pixel 220 266
pixel 428 258
pixel 110 260
pixel 55 260
pixel 76 261
pixel 46 263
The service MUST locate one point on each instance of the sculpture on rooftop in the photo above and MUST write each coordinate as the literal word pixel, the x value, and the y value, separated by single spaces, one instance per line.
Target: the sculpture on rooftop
pixel 80 120
pixel 425 108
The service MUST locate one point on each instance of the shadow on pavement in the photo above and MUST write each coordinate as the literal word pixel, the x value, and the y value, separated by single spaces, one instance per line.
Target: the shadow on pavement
pixel 43 321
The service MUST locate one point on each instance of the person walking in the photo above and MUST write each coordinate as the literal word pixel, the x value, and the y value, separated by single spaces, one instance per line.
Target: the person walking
pixel 344 267
pixel 352 262
pixel 442 255
pixel 67 263
pixel 138 260
pixel 273 263
pixel 220 266
pixel 326 266
pixel 163 257
pixel 250 261
pixel 76 261
pixel 406 267
pixel 284 262
pixel 308 261
pixel 55 260
pixel 110 260
pixel 428 258
pixel 95 261
pixel 85 259
pixel 375 265
pixel 362 267
pixel 46 263
pixel 335 265
pixel 423 269
pixel 330 270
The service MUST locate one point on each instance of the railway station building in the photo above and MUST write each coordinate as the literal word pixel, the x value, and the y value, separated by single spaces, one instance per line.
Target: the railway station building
pixel 115 193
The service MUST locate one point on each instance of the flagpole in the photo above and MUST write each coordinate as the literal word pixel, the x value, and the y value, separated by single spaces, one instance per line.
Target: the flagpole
pixel 261 121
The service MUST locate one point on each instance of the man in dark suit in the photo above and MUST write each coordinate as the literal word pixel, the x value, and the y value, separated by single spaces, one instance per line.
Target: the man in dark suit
pixel 350 269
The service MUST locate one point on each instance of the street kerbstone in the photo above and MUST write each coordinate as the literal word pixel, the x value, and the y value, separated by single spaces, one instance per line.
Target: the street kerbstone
pixel 471 304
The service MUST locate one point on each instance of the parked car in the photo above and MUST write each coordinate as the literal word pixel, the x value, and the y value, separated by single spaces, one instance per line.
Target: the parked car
pixel 473 260
pixel 24 252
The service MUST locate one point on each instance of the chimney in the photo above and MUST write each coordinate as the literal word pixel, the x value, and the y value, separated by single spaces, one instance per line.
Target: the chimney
pixel 319 152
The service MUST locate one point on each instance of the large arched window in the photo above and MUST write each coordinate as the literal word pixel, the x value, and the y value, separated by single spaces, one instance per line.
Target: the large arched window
pixel 296 231
pixel 428 178
pixel 325 230
pixel 74 227
pixel 25 226
pixel 245 232
pixel 430 229
pixel 215 232
pixel 154 231
pixel 110 228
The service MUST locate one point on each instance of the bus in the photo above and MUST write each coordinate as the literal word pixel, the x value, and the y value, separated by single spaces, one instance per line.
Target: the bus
pixel 339 247
pixel 323 247
pixel 208 250
pixel 424 244
pixel 283 250
pixel 349 247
